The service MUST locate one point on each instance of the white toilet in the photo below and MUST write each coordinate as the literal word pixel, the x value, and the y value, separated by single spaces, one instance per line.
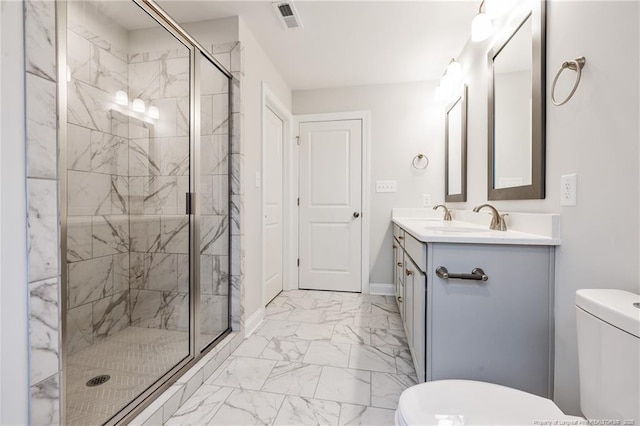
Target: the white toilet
pixel 609 361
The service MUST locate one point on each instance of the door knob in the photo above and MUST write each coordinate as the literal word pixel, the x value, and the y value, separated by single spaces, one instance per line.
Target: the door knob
pixel 356 214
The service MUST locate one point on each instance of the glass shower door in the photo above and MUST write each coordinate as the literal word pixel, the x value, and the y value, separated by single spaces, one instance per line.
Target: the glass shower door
pixel 127 150
pixel 214 202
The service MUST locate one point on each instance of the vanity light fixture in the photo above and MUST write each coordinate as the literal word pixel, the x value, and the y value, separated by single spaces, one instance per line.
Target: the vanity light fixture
pixel 138 105
pixel 153 112
pixel 122 98
pixel 454 71
pixel 481 27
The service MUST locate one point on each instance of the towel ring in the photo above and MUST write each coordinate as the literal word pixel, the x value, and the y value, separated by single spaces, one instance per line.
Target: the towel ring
pixel 574 65
pixel 418 159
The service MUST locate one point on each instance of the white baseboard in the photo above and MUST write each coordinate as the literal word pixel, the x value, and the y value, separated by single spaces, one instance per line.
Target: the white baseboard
pixel 381 289
pixel 253 322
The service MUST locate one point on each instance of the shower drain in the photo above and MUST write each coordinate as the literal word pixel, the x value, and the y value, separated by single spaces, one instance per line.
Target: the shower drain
pixel 98 380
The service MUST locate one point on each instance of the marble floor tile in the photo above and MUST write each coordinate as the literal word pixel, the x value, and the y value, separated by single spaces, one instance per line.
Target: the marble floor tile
pixel 338 318
pixel 277 312
pixel 252 346
pixel 322 358
pixel 404 362
pixel 386 388
pixel 274 328
pixel 282 349
pixel 344 385
pixel 293 378
pixel 244 373
pixel 246 407
pixel 372 358
pixel 370 320
pixel 395 322
pixel 383 337
pixel 327 353
pixel 306 411
pixel 313 316
pixel 200 408
pixel 319 294
pixel 356 415
pixel 314 331
pixel 347 334
pixel 384 309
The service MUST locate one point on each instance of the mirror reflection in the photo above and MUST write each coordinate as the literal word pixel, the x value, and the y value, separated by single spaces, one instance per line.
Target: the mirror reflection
pixel 455 154
pixel 512 82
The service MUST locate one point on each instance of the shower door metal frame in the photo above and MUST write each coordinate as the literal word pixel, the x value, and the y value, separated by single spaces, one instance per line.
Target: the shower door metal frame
pixel 196 351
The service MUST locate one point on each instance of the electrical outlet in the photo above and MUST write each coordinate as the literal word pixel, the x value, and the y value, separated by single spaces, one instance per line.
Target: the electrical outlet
pixel 386 186
pixel 569 190
pixel 426 200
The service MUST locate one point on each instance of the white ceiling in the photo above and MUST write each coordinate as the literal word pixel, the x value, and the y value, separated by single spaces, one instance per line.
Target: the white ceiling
pixel 346 43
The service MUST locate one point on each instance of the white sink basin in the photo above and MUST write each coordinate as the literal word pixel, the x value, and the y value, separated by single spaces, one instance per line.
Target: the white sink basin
pixel 455 229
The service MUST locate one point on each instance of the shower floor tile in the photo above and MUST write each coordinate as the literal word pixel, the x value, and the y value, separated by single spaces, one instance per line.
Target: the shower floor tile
pixel 134 358
pixel 350 365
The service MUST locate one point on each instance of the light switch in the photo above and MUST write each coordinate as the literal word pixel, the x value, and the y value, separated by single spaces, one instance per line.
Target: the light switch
pixel 386 186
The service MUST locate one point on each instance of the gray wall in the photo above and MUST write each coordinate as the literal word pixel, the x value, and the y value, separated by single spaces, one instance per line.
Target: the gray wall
pixel 594 135
pixel 405 121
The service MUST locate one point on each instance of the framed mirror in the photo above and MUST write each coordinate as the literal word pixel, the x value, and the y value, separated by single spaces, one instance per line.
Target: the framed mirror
pixel 455 182
pixel 517 109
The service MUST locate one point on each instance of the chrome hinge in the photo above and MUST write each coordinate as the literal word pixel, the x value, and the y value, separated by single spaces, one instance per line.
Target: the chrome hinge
pixel 190 199
pixel 298 140
pixel 298 201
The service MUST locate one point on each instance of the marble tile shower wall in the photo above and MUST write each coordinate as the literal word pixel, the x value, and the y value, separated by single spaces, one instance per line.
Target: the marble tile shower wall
pixel 158 182
pixel 42 211
pixel 98 229
pixel 94 166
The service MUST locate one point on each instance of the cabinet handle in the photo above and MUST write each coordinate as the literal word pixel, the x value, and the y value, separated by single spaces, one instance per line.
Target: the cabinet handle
pixel 399 299
pixel 395 246
pixel 401 238
pixel 408 272
pixel 477 274
pixel 400 264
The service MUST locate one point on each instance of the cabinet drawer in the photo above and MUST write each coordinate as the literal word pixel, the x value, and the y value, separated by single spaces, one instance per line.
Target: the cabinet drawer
pixel 398 234
pixel 417 250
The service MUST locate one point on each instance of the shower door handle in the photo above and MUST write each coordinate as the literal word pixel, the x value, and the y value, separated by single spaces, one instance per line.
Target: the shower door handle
pixel 190 199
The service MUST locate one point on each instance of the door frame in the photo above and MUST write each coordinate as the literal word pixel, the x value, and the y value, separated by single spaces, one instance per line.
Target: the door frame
pixel 365 118
pixel 289 193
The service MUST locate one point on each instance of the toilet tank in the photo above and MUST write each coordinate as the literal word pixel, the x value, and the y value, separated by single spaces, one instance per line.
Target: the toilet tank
pixel 609 354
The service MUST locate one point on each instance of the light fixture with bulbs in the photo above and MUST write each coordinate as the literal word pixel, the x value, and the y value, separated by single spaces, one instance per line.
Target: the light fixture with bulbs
pixel 138 105
pixel 153 112
pixel 121 98
pixel 449 82
pixel 481 26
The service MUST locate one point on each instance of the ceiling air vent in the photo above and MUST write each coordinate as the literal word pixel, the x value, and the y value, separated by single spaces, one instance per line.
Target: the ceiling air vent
pixel 287 14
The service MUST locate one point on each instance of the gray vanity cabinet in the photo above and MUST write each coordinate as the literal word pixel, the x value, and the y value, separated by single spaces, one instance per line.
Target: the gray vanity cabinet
pixel 499 330
pixel 410 285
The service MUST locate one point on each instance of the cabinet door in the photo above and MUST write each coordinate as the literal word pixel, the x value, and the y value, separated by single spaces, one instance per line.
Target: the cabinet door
pixel 399 278
pixel 409 275
pixel 418 283
pixel 396 283
pixel 496 331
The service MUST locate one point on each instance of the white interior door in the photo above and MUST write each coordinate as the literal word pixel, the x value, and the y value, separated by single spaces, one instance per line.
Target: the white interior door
pixel 272 181
pixel 330 234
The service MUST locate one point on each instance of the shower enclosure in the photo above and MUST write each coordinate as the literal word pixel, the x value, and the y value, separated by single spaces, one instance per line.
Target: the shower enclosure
pixel 144 166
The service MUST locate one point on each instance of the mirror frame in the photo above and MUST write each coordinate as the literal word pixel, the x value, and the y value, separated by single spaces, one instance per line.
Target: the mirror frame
pixel 462 196
pixel 536 190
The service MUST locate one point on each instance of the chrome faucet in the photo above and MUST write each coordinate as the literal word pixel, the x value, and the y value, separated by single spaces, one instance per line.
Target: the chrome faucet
pixel 497 220
pixel 447 212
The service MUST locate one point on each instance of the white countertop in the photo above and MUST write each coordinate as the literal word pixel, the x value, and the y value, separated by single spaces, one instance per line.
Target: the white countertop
pixel 432 229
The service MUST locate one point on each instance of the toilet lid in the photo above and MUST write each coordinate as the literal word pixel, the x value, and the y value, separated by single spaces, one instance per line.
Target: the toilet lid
pixel 458 402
